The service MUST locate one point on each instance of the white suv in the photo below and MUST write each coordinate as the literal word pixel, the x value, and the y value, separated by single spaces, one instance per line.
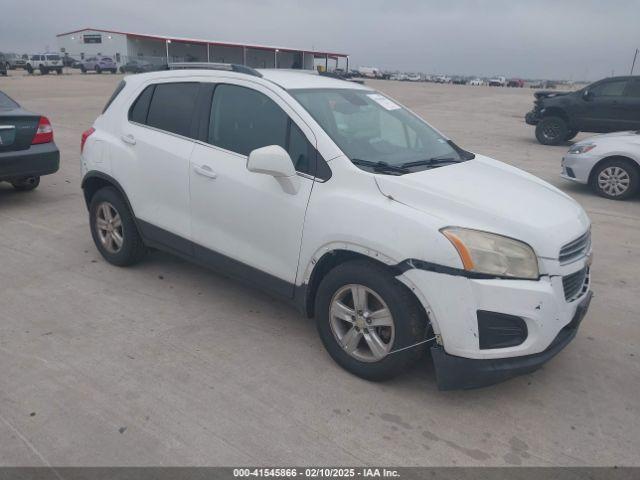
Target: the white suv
pixel 45 62
pixel 337 198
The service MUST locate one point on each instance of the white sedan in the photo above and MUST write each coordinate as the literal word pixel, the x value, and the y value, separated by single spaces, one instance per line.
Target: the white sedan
pixel 609 164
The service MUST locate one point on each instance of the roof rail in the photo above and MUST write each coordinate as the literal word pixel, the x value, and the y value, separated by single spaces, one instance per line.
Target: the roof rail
pixel 230 67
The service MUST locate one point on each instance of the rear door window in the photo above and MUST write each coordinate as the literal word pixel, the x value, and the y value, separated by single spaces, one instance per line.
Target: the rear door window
pixel 172 107
pixel 633 89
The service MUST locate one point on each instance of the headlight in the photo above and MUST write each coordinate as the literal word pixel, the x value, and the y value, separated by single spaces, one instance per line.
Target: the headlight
pixel 578 149
pixel 493 254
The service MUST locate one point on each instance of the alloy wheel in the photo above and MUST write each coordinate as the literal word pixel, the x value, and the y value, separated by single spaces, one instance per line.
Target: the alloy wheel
pixel 614 181
pixel 362 323
pixel 109 227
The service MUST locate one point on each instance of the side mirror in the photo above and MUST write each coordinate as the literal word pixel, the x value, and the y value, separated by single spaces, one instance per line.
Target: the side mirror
pixel 587 95
pixel 275 161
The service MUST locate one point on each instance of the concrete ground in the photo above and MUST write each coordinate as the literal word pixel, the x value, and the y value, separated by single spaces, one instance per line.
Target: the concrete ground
pixel 169 364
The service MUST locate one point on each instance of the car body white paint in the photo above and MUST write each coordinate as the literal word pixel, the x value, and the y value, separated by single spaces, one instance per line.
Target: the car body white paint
pixel 387 218
pixel 608 145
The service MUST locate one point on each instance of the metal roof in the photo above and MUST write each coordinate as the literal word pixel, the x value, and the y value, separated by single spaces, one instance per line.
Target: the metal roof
pixel 205 42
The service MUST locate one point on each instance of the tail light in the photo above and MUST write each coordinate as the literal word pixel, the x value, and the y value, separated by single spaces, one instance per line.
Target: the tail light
pixel 85 135
pixel 44 133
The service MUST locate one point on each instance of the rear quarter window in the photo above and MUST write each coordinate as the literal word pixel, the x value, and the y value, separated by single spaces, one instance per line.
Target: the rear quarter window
pixel 115 93
pixel 140 108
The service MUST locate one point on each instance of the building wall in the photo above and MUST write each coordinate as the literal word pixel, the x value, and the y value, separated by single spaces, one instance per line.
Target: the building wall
pixel 110 44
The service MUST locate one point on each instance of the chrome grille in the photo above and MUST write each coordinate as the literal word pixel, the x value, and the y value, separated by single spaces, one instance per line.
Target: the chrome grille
pixel 576 248
pixel 575 284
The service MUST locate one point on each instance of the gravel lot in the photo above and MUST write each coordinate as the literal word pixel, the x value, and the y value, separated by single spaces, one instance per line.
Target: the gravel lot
pixel 170 364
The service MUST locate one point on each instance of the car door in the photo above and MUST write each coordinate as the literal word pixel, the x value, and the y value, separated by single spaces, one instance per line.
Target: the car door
pixel 244 222
pixel 603 107
pixel 631 104
pixel 159 140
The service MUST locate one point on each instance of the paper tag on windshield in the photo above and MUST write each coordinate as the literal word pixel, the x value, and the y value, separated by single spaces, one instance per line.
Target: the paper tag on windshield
pixel 383 101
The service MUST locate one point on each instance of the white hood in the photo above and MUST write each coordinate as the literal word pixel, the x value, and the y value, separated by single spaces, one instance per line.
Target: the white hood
pixel 489 195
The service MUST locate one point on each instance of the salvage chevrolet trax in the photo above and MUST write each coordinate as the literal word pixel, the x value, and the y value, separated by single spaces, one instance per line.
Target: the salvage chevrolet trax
pixel 335 197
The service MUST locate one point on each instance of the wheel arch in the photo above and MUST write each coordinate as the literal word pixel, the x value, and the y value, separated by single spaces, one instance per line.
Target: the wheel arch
pixel 557 112
pixel 94 181
pixel 331 256
pixel 634 164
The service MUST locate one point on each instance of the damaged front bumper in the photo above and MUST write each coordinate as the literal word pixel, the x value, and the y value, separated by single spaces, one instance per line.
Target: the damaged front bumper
pixel 455 373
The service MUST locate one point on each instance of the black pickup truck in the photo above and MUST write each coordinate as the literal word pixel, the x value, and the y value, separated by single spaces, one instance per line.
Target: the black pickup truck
pixel 608 105
pixel 27 150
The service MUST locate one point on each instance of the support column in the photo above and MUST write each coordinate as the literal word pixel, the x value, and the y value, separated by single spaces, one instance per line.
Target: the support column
pixel 208 54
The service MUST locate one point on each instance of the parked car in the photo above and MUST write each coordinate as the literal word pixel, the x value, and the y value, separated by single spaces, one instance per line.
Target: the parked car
pixel 414 77
pixel 546 84
pixel 459 81
pixel 27 149
pixel 443 79
pixel 13 61
pixel 137 66
pixel 609 164
pixel 498 82
pixel 98 64
pixel 45 62
pixel 476 82
pixel 3 65
pixel 515 83
pixel 409 240
pixel 609 105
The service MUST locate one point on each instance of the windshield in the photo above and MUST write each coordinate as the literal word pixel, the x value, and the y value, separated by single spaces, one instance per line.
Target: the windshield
pixel 53 57
pixel 369 127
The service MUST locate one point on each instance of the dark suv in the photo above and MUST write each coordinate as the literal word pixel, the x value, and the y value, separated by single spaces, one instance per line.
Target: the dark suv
pixel 609 105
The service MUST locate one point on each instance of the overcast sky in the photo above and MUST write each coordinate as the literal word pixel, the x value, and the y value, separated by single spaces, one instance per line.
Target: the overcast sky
pixel 572 39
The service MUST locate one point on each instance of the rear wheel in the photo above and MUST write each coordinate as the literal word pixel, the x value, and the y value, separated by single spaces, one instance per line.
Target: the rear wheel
pixel 59 71
pixel 26 184
pixel 98 69
pixel 616 179
pixel 43 70
pixel 83 69
pixel 551 131
pixel 113 229
pixel 365 317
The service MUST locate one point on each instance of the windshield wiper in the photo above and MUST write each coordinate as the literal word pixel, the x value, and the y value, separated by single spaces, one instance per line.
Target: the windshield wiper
pixel 429 162
pixel 380 166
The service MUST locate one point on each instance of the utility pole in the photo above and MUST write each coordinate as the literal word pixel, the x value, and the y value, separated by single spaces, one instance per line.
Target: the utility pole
pixel 634 60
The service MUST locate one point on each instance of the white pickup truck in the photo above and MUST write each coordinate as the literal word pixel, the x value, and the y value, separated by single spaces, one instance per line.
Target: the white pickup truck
pixel 45 62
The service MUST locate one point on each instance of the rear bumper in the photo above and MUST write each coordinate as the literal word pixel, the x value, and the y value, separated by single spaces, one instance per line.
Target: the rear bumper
pixel 36 161
pixel 454 373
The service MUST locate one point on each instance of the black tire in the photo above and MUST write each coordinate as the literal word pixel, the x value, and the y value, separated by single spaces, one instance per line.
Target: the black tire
pixel 43 70
pixel 409 319
pixel 133 248
pixel 625 169
pixel 29 69
pixel 571 135
pixel 98 69
pixel 26 184
pixel 59 71
pixel 122 70
pixel 83 69
pixel 114 70
pixel 551 131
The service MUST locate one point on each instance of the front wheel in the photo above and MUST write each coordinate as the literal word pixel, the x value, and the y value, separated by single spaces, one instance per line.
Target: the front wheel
pixel 616 179
pixel 113 228
pixel 26 184
pixel 366 319
pixel 29 69
pixel 571 135
pixel 83 69
pixel 98 70
pixel 44 71
pixel 59 71
pixel 551 131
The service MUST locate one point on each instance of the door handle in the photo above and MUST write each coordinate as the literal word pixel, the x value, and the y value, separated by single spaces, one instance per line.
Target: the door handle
pixel 130 139
pixel 205 171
